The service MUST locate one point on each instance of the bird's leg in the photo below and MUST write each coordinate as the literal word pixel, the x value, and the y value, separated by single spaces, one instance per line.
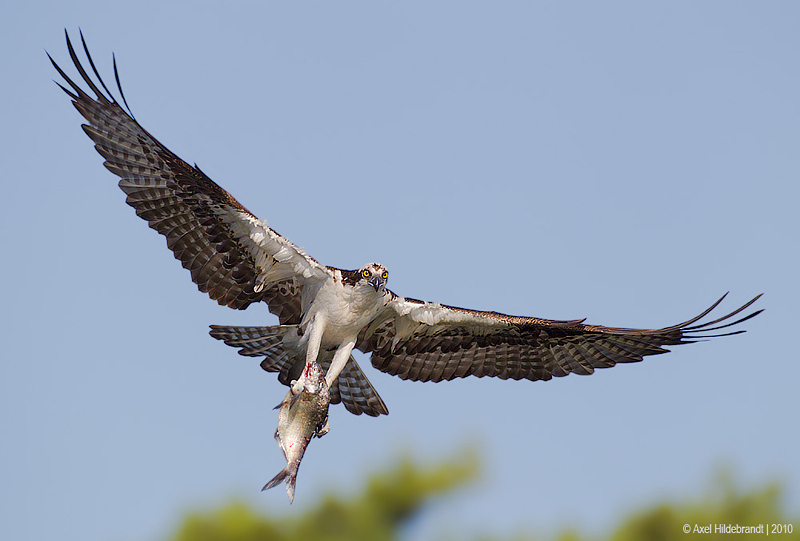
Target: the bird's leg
pixel 340 358
pixel 312 350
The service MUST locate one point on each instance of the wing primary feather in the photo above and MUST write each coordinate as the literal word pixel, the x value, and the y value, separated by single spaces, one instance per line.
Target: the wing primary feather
pixel 679 326
pixel 740 320
pixel 69 81
pixel 704 325
pixel 91 63
pixel 100 96
pixel 119 86
pixel 70 94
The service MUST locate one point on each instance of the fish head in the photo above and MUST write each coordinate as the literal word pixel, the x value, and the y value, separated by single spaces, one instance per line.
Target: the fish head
pixel 314 377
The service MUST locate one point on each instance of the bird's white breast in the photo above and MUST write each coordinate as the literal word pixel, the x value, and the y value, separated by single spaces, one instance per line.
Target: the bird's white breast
pixel 346 310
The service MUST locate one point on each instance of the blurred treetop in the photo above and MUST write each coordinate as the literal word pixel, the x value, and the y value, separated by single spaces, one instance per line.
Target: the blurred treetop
pixel 390 499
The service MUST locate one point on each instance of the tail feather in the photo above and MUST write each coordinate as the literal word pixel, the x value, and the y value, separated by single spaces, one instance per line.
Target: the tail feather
pixel 357 393
pixel 260 341
pixel 277 344
pixel 287 475
pixel 252 341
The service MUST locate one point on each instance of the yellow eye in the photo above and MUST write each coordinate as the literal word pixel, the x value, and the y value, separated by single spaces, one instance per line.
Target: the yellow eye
pixel 385 275
pixel 366 273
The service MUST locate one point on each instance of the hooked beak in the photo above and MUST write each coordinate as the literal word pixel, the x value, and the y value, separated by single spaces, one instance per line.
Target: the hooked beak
pixel 376 282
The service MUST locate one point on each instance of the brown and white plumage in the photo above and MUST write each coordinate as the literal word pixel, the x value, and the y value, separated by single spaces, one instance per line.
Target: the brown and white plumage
pixel 431 342
pixel 232 255
pixel 325 312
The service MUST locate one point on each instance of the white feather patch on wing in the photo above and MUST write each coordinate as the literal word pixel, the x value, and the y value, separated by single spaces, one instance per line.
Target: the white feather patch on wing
pixel 416 317
pixel 276 257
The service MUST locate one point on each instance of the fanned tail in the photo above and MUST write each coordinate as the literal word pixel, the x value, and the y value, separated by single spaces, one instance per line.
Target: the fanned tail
pixel 259 341
pixel 352 388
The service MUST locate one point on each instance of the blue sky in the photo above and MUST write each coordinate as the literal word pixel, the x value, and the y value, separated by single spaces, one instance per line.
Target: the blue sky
pixel 620 161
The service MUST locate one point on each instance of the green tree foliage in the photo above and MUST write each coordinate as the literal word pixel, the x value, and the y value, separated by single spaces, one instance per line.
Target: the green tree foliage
pixel 724 505
pixel 388 500
pixel 391 498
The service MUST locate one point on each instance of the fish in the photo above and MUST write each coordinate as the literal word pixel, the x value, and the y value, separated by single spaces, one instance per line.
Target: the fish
pixel 303 414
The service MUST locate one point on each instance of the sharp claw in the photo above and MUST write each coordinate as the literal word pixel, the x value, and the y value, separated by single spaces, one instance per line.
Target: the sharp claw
pixel 297 386
pixel 321 431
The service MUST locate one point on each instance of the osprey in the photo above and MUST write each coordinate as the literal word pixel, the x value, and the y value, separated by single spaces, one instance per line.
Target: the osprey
pixel 325 312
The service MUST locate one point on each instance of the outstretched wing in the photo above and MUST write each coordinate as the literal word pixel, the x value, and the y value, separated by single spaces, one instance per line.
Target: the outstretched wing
pixel 232 255
pixel 424 341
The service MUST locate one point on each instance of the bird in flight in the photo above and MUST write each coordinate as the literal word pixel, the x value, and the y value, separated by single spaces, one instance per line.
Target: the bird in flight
pixel 324 312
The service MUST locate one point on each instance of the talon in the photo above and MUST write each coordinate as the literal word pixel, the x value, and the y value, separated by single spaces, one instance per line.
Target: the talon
pixel 322 430
pixel 297 386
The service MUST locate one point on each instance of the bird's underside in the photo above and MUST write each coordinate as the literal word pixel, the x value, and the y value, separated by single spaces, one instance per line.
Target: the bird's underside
pixel 324 312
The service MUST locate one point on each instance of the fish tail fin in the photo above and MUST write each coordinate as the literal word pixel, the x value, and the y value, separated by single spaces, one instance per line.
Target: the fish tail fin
pixel 288 475
pixel 291 479
pixel 277 480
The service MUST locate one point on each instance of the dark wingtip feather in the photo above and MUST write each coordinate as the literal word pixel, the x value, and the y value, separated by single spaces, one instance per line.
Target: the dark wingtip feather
pixel 119 86
pixel 91 63
pixel 70 94
pixel 696 333
pixel 76 88
pixel 723 318
pixel 73 55
pixel 704 328
pixel 704 313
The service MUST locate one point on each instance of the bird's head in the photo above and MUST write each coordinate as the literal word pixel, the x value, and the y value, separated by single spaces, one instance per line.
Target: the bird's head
pixel 373 274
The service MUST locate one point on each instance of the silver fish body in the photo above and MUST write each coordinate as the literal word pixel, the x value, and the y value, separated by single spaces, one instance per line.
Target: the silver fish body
pixel 302 416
